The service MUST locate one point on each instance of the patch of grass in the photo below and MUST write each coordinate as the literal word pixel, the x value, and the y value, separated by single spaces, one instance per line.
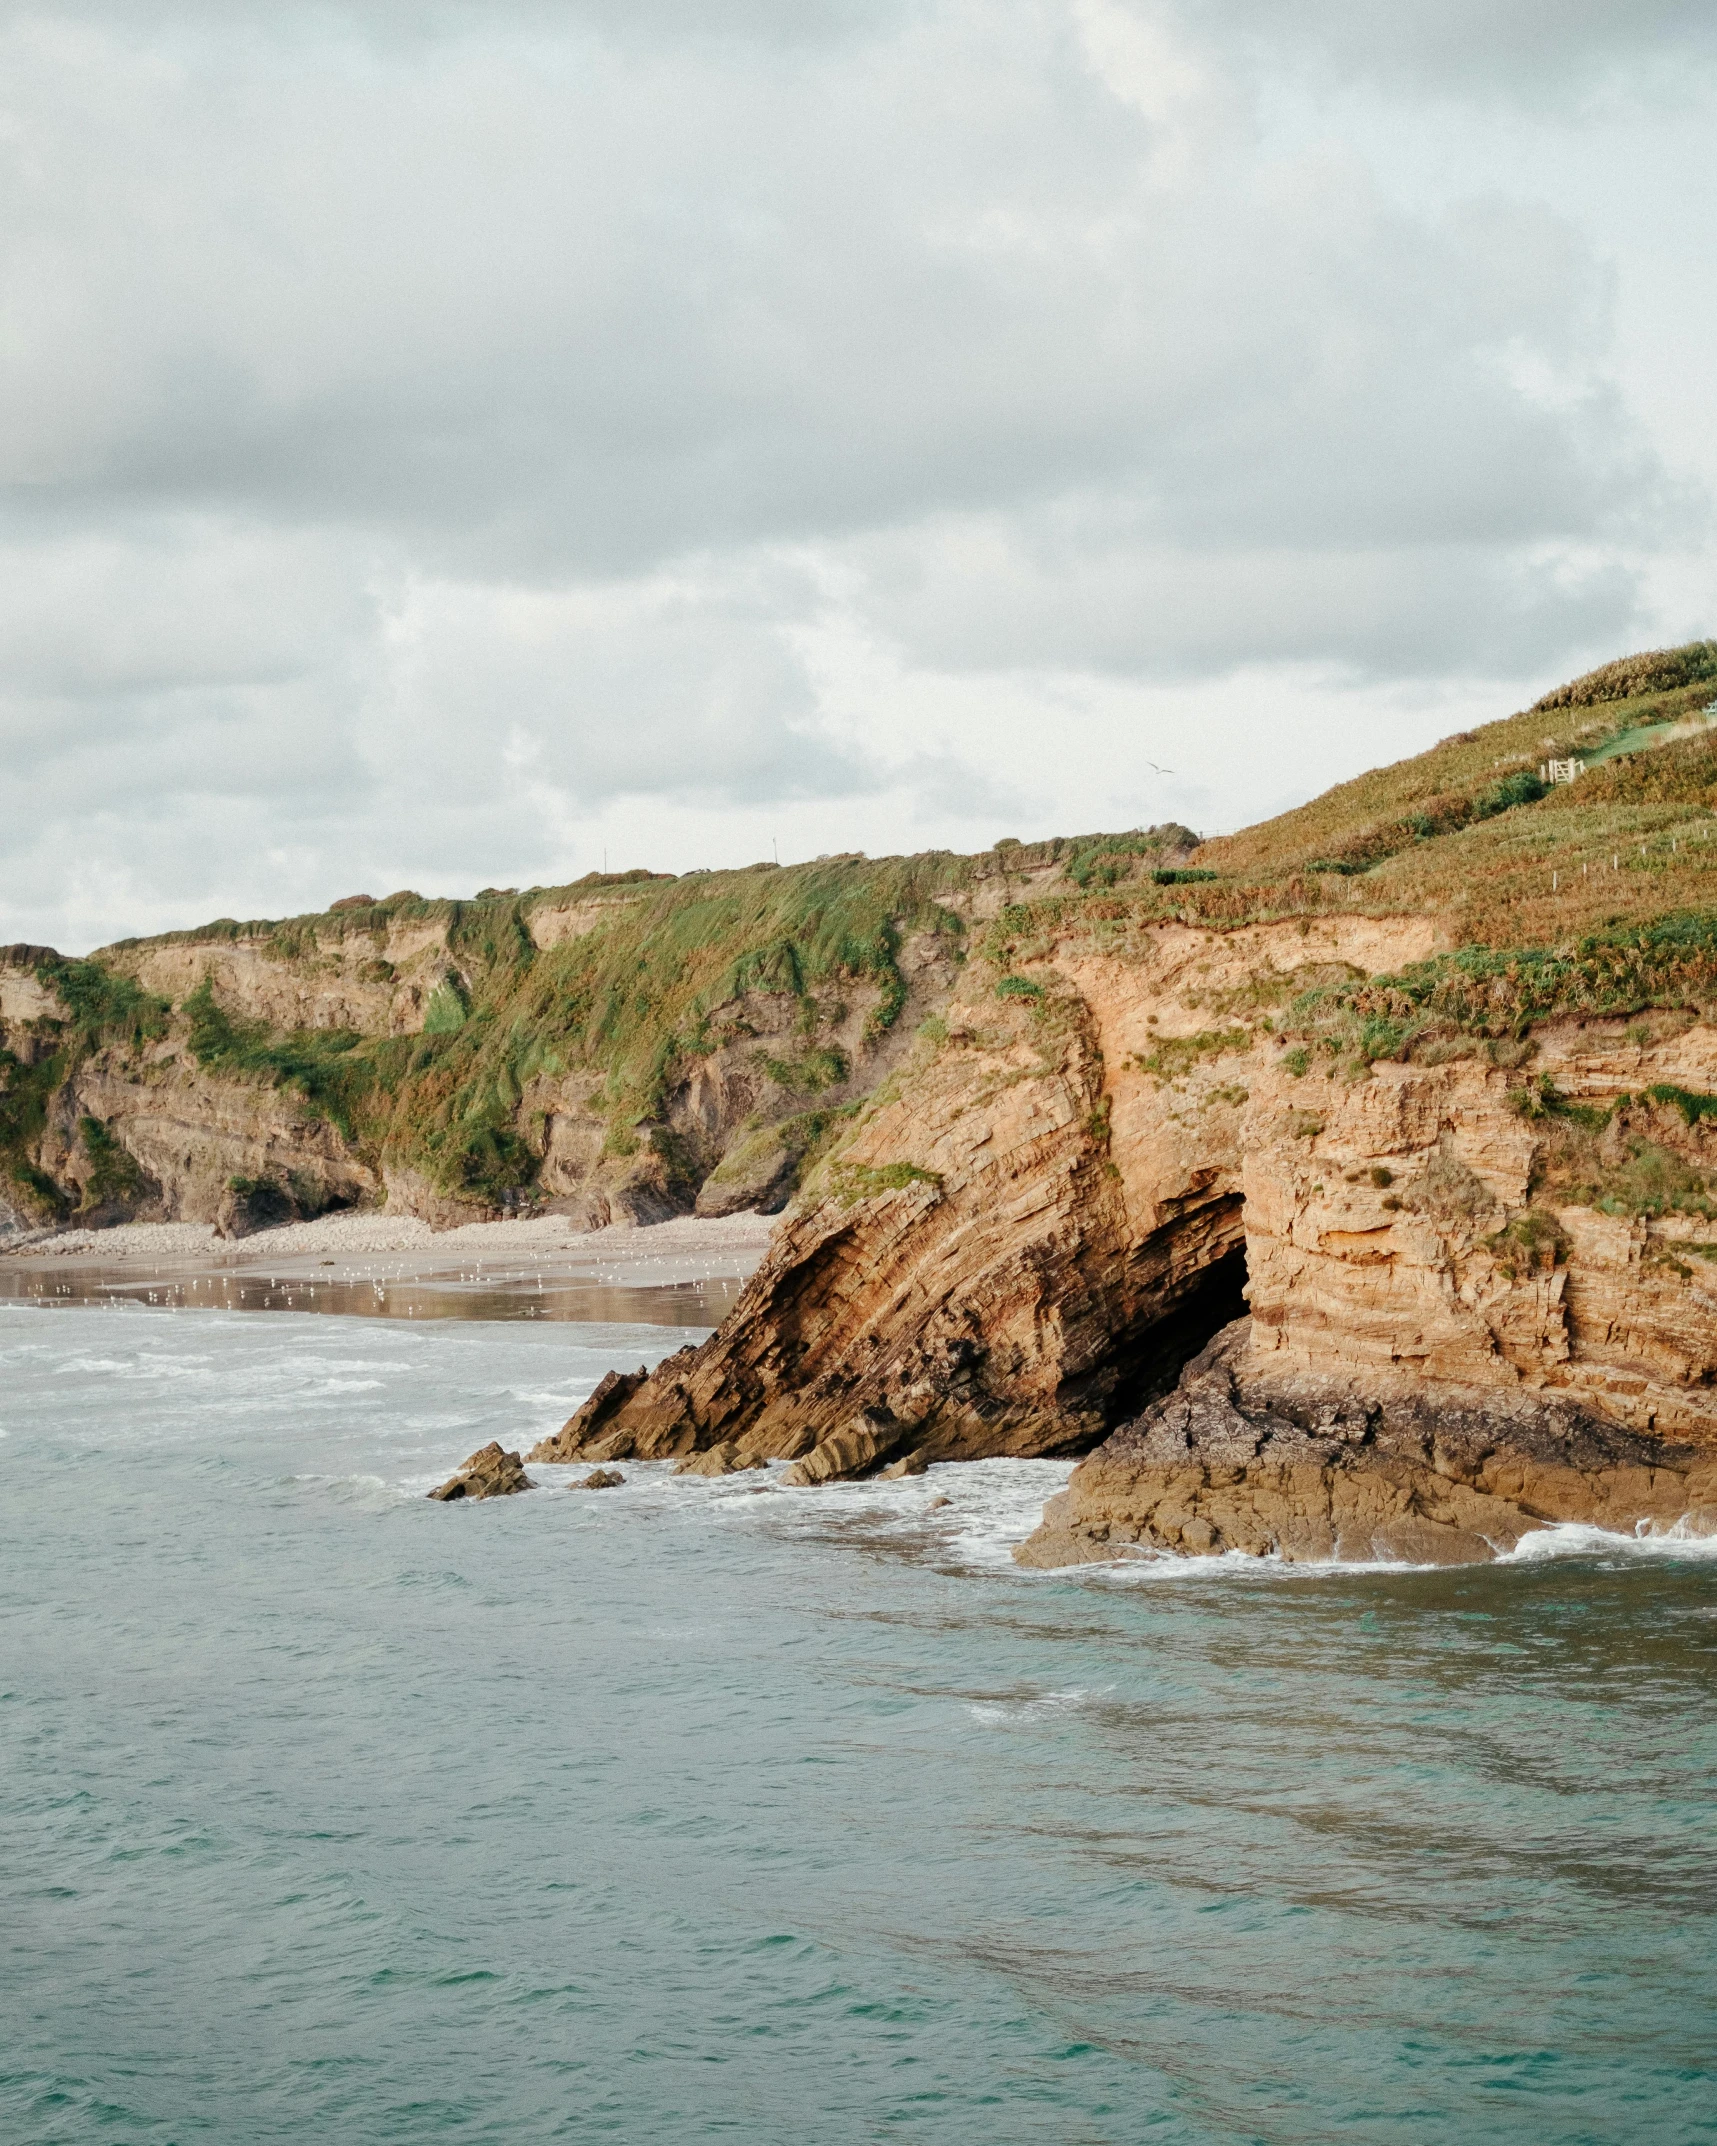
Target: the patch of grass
pixel 1655 670
pixel 116 1177
pixel 1488 991
pixel 1025 987
pixel 1530 1242
pixel 810 1073
pixel 1177 1055
pixel 862 1181
pixel 1107 860
pixel 1690 1102
pixel 446 1011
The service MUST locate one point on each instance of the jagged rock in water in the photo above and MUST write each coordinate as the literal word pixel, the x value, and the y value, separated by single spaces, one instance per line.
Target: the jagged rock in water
pixel 568 1443
pixel 1305 1467
pixel 601 1479
pixel 489 1473
pixel 724 1459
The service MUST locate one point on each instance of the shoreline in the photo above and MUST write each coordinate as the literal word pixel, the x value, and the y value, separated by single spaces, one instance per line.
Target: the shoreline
pixel 538 1267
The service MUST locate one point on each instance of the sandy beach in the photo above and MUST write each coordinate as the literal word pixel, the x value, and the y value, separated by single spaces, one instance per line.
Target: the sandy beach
pixel 687 1270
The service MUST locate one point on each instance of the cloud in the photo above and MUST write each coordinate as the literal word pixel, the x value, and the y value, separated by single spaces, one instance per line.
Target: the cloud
pixel 433 431
pixel 1536 51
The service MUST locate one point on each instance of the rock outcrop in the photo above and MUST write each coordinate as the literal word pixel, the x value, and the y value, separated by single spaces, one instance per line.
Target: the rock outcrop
pixel 1023 1237
pixel 1075 1188
pixel 1249 1456
pixel 489 1473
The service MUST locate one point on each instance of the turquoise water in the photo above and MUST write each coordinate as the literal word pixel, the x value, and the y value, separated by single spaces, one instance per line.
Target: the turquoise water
pixel 689 1812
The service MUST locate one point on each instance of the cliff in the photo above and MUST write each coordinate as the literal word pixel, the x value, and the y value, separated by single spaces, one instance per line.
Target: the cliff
pixel 1456 1181
pixel 1422 1075
pixel 627 1048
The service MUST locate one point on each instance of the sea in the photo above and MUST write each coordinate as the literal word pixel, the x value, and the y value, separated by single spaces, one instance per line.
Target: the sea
pixel 692 1810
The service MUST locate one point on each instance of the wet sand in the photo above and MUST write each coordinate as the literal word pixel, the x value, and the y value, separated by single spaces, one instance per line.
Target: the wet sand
pixel 687 1272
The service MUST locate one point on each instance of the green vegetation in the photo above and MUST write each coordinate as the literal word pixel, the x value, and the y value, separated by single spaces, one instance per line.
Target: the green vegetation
pixel 1494 992
pixel 859 1181
pixel 1107 860
pixel 114 1176
pixel 446 1011
pixel 1657 670
pixel 1176 1055
pixel 1688 1101
pixel 1531 1241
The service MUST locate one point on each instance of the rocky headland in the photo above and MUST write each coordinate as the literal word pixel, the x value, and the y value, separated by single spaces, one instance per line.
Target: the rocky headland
pixel 1346 1186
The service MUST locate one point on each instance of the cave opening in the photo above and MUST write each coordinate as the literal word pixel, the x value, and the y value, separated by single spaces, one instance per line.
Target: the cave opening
pixel 1152 1366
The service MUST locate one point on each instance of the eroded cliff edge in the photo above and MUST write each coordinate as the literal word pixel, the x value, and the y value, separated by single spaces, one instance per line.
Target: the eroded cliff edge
pixel 1423 1076
pixel 1073 1188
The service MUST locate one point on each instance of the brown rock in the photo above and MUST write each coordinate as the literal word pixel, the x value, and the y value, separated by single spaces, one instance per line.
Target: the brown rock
pixel 584 1428
pixel 724 1459
pixel 854 1451
pixel 489 1473
pixel 1303 1468
pixel 908 1464
pixel 601 1479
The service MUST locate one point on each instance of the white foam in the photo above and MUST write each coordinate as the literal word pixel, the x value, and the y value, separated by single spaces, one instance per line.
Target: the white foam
pixel 1576 1539
pixel 1040 1706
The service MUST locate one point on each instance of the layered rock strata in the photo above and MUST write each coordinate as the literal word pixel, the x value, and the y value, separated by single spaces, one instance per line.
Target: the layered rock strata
pixel 1024 1240
pixel 1024 1236
pixel 1248 1456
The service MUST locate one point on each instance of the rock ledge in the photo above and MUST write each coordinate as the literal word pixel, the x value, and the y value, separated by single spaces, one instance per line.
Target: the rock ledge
pixel 1310 1469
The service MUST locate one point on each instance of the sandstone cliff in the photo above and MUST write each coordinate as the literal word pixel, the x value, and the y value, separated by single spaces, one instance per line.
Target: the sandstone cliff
pixel 1424 1074
pixel 1451 1181
pixel 620 1050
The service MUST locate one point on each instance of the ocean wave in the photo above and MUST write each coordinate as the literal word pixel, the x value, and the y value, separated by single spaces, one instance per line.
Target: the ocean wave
pixel 1576 1539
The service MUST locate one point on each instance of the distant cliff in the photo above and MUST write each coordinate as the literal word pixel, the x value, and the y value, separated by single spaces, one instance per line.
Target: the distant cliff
pixel 626 1048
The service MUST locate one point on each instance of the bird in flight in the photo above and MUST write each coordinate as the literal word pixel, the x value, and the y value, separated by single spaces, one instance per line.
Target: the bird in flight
pixel 1159 770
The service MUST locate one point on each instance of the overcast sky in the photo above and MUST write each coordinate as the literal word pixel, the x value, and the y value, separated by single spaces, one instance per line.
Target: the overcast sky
pixel 459 444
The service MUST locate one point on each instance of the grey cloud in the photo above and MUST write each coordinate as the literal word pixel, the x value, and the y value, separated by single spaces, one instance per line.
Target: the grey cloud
pixel 1535 50
pixel 428 425
pixel 409 23
pixel 533 320
pixel 673 690
pixel 1023 595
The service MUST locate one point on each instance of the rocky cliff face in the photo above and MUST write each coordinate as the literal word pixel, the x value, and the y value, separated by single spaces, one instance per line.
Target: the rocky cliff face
pixel 1059 1201
pixel 1030 1227
pixel 618 1053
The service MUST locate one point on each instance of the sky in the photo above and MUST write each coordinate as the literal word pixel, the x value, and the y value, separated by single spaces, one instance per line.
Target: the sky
pixel 479 442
